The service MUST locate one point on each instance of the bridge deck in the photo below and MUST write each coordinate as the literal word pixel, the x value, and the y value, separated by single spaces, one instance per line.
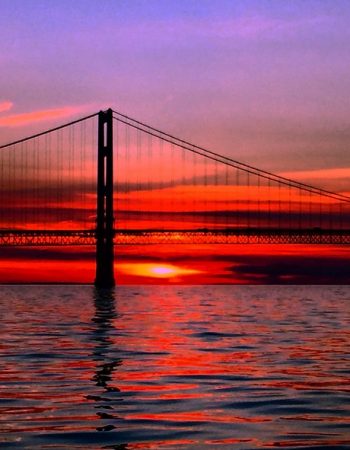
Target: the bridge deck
pixel 200 236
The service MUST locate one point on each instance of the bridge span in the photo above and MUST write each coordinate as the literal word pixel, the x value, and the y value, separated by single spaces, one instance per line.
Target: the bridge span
pixel 108 180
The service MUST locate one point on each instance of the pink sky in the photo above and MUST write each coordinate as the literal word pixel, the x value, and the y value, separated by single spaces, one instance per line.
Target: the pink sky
pixel 263 81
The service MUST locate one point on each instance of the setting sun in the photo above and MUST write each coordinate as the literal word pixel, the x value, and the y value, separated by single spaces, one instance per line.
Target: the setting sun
pixel 156 271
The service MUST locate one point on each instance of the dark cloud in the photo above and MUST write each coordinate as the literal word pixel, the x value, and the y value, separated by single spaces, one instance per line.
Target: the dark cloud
pixel 294 270
pixel 47 253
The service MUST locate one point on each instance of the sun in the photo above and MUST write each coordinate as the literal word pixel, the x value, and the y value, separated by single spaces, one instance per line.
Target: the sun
pixel 163 271
pixel 155 270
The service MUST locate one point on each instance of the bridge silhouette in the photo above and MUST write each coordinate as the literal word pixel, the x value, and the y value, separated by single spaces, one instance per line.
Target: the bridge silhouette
pixel 108 179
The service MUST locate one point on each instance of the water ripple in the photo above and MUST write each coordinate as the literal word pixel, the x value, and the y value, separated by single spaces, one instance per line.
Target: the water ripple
pixel 138 368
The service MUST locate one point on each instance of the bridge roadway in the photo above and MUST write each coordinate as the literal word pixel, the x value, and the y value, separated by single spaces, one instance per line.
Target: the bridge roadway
pixel 16 237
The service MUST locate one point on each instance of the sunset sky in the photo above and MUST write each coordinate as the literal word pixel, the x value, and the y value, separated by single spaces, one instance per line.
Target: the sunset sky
pixel 265 82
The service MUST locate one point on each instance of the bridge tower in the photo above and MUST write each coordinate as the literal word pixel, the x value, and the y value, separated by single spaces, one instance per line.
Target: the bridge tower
pixel 105 219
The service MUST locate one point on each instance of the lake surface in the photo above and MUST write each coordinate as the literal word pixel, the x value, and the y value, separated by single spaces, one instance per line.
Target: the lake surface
pixel 175 367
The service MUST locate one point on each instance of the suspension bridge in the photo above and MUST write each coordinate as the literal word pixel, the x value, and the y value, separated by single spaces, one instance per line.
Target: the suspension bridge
pixel 107 179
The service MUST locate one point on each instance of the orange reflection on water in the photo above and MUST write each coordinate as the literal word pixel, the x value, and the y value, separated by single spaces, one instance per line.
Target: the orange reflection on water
pixel 230 364
pixel 199 416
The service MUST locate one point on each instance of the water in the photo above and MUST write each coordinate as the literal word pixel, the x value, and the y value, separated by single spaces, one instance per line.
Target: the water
pixel 220 367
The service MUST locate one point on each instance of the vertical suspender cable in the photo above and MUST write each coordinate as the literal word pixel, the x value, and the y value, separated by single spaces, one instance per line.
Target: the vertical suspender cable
pixel 238 193
pixel 227 196
pixel 248 199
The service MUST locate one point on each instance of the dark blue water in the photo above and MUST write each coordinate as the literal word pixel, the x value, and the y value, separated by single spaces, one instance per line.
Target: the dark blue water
pixel 222 367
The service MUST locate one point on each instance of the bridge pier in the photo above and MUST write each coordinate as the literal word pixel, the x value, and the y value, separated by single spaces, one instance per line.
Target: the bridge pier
pixel 105 220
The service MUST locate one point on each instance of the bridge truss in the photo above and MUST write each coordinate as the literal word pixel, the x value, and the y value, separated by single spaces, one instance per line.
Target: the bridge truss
pixel 146 237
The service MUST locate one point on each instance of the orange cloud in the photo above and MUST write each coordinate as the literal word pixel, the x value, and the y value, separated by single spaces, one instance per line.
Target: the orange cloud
pixel 333 174
pixel 5 106
pixel 15 120
pixel 221 197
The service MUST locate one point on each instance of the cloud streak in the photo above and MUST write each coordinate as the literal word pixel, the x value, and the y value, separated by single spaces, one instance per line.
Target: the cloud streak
pixel 5 106
pixel 15 120
pixel 332 174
